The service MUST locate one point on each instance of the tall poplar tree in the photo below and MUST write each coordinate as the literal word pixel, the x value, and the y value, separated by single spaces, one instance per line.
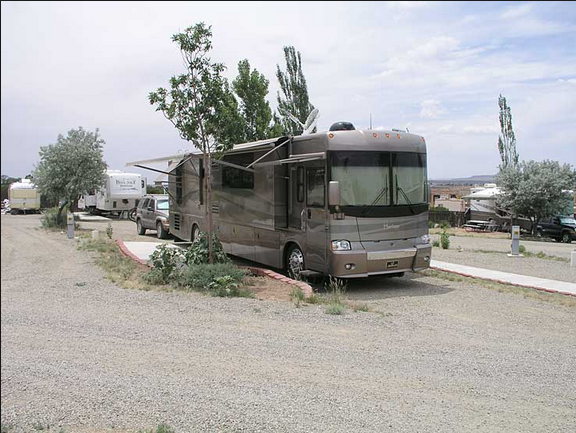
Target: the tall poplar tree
pixel 507 141
pixel 294 98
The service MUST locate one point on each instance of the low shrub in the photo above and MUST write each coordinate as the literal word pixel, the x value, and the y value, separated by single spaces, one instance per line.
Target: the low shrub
pixel 436 243
pixel 165 261
pixel 522 249
pixel 297 296
pixel 49 219
pixel 336 290
pixel 197 253
pixel 445 224
pixel 335 308
pixel 221 279
pixel 445 240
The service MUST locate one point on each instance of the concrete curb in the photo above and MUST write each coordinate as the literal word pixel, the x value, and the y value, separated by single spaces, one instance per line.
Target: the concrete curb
pixel 542 289
pixel 306 288
pixel 129 254
pixel 260 272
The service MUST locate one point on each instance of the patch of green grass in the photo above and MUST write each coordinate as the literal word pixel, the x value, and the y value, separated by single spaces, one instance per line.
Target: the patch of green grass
pixel 162 428
pixel 554 298
pixel 335 308
pixel 119 268
pixel 363 308
pixel 297 296
pixel 539 255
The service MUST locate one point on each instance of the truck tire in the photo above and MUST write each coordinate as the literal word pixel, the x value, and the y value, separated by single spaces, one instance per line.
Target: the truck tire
pixel 566 238
pixel 160 232
pixel 139 228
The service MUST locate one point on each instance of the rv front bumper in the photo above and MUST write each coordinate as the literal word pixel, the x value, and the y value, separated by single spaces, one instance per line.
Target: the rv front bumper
pixel 362 263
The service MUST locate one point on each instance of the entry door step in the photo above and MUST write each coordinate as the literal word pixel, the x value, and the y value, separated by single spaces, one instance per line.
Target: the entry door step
pixel 309 273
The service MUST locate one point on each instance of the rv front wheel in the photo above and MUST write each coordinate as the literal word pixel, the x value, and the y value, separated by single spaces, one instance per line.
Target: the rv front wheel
pixel 141 230
pixel 195 233
pixel 294 262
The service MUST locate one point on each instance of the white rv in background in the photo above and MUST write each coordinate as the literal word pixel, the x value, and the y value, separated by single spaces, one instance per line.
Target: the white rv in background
pixel 24 197
pixel 121 192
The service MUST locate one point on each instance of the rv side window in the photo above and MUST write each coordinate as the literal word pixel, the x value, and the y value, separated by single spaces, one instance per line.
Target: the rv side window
pixel 235 177
pixel 300 184
pixel 316 187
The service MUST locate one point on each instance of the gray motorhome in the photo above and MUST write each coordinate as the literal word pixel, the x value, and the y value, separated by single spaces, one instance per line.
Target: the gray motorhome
pixel 344 203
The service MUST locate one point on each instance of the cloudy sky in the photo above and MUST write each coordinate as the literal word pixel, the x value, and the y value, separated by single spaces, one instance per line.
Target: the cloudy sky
pixel 434 67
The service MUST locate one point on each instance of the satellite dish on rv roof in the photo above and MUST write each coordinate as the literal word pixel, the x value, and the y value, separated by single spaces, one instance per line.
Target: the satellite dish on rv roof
pixel 342 126
pixel 311 121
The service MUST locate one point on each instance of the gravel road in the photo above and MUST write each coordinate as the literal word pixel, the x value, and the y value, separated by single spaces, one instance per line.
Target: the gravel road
pixel 82 355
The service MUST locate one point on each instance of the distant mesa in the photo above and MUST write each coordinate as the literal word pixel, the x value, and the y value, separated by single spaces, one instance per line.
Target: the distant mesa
pixel 472 180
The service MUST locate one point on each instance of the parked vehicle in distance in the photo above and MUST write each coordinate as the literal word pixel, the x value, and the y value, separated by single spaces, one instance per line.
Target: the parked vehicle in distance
pixel 561 228
pixel 24 197
pixel 121 192
pixel 153 213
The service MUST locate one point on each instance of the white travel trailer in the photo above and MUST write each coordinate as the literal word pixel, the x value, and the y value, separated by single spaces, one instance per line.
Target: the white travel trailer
pixel 121 192
pixel 24 197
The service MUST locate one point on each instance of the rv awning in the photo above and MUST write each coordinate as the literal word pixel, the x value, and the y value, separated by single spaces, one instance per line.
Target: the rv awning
pixel 304 157
pixel 245 147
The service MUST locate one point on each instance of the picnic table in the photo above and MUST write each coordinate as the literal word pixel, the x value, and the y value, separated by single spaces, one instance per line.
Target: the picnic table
pixel 481 226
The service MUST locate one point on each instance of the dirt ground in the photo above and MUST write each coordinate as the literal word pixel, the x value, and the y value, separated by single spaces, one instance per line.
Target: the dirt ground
pixel 80 354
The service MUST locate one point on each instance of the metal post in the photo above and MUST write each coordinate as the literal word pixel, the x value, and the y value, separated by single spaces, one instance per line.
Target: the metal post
pixel 70 224
pixel 515 242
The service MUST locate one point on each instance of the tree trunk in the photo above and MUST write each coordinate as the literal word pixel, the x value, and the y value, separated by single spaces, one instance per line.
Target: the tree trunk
pixel 208 171
pixel 60 209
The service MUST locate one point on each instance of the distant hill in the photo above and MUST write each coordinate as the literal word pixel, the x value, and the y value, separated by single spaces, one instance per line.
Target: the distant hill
pixel 472 180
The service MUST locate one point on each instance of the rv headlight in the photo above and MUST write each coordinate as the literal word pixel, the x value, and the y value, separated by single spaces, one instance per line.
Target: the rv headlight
pixel 341 246
pixel 425 239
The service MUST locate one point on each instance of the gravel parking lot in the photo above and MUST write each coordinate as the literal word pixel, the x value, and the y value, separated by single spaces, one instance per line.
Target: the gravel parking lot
pixel 80 354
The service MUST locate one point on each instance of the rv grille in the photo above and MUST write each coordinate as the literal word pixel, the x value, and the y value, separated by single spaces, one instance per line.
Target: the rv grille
pixel 215 207
pixel 177 221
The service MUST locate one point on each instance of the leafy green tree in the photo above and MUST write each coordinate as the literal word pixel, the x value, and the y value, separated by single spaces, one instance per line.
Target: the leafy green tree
pixel 295 99
pixel 71 167
pixel 506 141
pixel 200 104
pixel 535 189
pixel 6 182
pixel 251 87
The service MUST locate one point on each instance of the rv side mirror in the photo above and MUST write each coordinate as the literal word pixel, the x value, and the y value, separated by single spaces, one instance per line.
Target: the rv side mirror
pixel 334 193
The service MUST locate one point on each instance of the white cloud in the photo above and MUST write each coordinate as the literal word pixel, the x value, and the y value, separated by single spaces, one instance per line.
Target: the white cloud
pixel 431 109
pixel 480 129
pixel 446 129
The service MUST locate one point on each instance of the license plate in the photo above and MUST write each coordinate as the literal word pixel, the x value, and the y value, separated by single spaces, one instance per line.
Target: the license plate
pixel 392 264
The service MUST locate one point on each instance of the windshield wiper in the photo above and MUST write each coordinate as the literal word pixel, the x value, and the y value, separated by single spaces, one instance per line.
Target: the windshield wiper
pixel 378 197
pixel 405 197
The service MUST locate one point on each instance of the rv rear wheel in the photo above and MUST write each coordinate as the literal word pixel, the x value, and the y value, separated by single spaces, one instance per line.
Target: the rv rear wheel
pixel 141 230
pixel 294 262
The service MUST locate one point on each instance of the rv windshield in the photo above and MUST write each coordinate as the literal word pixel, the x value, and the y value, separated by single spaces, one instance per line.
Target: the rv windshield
pixel 362 178
pixel 365 178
